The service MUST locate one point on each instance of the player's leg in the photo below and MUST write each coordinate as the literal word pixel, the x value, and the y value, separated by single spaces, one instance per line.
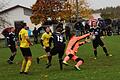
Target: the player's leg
pixel 60 55
pixel 104 48
pixel 23 66
pixel 95 45
pixel 47 50
pixel 52 52
pixel 11 58
pixel 68 57
pixel 28 64
pixel 24 61
pixel 79 62
pixel 28 60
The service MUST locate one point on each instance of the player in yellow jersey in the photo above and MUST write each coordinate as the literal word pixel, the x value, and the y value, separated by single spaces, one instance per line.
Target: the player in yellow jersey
pixel 46 43
pixel 25 49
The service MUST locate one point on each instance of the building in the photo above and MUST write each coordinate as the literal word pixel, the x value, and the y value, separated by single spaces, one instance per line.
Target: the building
pixel 16 14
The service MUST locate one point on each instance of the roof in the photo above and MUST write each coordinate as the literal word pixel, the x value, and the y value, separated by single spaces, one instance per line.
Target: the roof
pixel 8 9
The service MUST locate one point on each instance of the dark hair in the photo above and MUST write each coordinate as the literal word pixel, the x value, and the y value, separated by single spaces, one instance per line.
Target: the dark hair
pixel 23 25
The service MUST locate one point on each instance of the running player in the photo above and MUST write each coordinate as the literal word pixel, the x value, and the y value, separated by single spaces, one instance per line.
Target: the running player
pixel 59 46
pixel 46 43
pixel 11 40
pixel 96 40
pixel 25 49
pixel 72 49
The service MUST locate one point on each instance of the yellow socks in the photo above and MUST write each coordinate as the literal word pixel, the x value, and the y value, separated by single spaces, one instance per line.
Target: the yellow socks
pixel 23 65
pixel 28 65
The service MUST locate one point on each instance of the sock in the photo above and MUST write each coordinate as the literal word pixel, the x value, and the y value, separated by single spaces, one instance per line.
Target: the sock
pixel 12 57
pixel 105 50
pixel 79 63
pixel 95 53
pixel 60 62
pixel 43 56
pixel 49 59
pixel 23 65
pixel 66 58
pixel 28 65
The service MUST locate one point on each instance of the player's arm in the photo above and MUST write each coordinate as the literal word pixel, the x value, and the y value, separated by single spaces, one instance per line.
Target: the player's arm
pixel 84 36
pixel 8 40
pixel 82 43
pixel 27 39
pixel 50 40
pixel 41 40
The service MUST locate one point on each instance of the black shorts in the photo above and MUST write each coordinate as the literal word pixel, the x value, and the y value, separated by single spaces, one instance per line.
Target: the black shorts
pixel 58 50
pixel 47 49
pixel 26 52
pixel 98 42
pixel 13 48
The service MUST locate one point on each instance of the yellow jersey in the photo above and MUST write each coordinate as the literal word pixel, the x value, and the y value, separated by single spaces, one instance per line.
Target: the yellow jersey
pixel 46 37
pixel 23 34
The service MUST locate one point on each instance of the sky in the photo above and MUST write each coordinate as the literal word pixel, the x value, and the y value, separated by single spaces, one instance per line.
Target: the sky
pixel 94 4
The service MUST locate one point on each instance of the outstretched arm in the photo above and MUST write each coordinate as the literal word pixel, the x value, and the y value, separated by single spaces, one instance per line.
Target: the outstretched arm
pixel 82 43
pixel 84 36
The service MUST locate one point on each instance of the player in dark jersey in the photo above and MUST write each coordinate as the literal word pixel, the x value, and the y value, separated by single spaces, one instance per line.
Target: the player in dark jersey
pixel 96 40
pixel 59 46
pixel 11 40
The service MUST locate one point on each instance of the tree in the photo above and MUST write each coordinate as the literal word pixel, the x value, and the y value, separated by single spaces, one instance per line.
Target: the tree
pixel 83 8
pixel 53 9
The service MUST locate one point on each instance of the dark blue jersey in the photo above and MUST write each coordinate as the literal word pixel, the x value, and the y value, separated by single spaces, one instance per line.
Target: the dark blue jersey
pixel 96 32
pixel 58 39
pixel 11 38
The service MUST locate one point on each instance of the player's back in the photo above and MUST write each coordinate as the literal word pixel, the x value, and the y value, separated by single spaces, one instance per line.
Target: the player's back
pixel 72 42
pixel 22 38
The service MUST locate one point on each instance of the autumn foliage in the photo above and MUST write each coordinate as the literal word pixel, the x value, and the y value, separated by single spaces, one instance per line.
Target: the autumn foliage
pixel 55 10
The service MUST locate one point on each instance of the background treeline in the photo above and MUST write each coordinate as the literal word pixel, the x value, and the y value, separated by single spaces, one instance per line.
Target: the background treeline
pixel 109 12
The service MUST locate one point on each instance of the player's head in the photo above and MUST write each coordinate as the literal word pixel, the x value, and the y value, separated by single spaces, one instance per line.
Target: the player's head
pixel 12 29
pixel 59 28
pixel 24 26
pixel 94 23
pixel 47 29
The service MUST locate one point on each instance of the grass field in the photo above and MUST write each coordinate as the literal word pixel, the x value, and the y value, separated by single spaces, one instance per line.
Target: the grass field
pixel 103 68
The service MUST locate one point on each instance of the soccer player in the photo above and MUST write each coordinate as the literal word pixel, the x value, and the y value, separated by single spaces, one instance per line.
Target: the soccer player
pixel 72 49
pixel 11 40
pixel 25 49
pixel 46 43
pixel 59 46
pixel 96 40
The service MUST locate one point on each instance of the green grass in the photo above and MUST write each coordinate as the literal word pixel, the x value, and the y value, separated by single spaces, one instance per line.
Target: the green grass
pixel 104 68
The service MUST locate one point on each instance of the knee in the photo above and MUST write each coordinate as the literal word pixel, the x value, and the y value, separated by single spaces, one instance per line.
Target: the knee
pixel 79 59
pixel 70 55
pixel 29 58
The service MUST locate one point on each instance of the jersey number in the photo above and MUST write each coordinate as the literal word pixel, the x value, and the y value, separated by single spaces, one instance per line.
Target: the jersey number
pixel 60 38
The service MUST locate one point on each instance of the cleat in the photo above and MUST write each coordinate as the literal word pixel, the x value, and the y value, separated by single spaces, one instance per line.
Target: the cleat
pixel 48 65
pixel 25 72
pixel 21 72
pixel 65 63
pixel 38 60
pixel 95 58
pixel 9 62
pixel 110 55
pixel 77 68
